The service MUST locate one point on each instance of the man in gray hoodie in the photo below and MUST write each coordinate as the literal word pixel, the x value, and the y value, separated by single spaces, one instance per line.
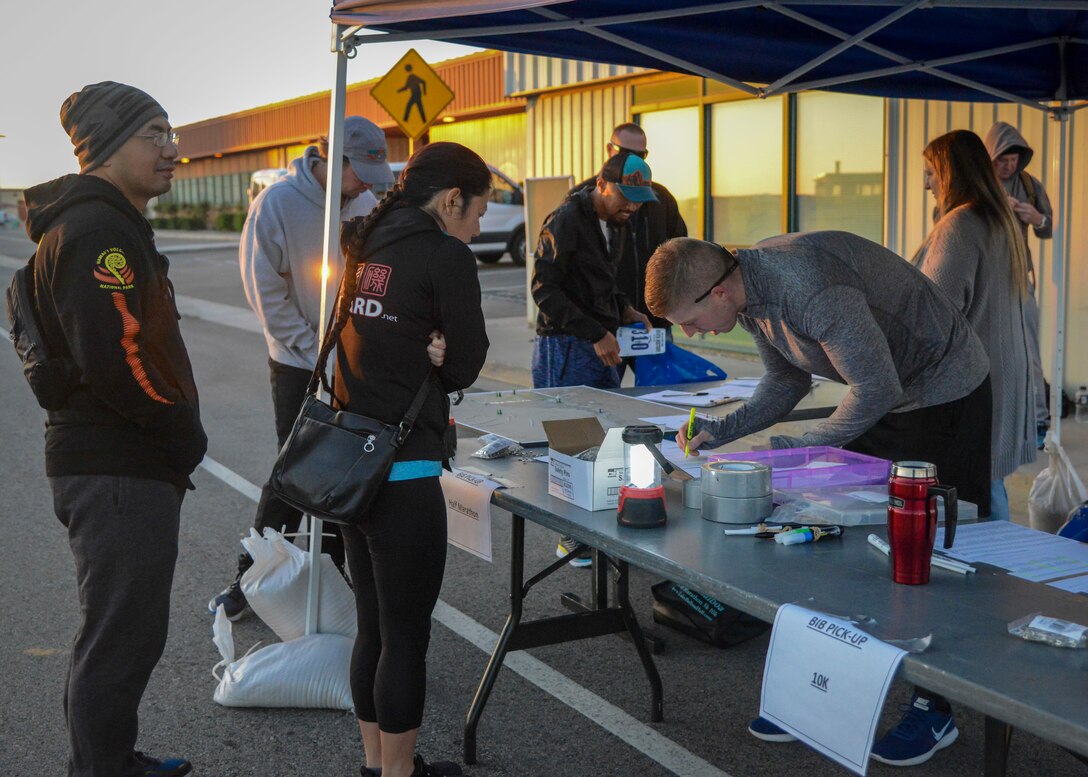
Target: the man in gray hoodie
pixel 280 260
pixel 1011 154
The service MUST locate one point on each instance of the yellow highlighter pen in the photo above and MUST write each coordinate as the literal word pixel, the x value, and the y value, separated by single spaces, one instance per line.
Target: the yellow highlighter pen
pixel 691 431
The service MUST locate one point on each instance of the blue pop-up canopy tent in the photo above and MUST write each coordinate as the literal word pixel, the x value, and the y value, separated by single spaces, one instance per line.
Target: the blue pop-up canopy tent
pixel 1032 52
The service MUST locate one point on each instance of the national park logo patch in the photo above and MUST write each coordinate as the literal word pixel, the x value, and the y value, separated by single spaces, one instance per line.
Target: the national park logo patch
pixel 112 271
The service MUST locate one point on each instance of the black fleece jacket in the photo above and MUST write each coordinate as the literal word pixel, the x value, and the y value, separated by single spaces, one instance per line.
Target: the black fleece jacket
pixel 574 273
pixel 413 279
pixel 652 225
pixel 103 297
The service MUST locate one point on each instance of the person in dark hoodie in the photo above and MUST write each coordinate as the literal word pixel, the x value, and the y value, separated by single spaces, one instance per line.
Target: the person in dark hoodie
pixel 119 453
pixel 1011 155
pixel 411 292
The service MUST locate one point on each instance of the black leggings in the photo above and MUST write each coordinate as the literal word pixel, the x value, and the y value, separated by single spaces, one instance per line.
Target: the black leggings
pixel 396 557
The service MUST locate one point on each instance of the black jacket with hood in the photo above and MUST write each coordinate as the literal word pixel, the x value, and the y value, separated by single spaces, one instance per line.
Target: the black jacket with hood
pixel 413 279
pixel 103 297
pixel 574 273
pixel 648 228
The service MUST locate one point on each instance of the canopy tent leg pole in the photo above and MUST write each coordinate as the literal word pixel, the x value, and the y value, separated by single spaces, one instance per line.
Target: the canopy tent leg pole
pixel 1059 276
pixel 330 253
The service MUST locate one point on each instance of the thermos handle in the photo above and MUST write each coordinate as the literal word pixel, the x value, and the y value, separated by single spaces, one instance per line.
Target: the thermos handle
pixel 951 504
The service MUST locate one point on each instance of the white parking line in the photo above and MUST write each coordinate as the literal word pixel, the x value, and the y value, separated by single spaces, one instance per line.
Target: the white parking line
pixel 611 718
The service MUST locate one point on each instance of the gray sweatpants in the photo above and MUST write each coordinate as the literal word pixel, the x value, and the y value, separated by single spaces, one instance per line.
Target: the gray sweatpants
pixel 1031 320
pixel 123 533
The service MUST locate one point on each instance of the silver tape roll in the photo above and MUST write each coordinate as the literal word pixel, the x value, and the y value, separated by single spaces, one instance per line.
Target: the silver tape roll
pixel 737 479
pixel 724 509
pixel 693 493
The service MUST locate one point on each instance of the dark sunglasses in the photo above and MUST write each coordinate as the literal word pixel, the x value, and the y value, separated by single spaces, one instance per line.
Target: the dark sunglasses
pixel 728 271
pixel 639 154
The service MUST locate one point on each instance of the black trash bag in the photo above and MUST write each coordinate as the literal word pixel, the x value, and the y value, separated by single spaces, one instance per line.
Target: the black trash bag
pixel 703 617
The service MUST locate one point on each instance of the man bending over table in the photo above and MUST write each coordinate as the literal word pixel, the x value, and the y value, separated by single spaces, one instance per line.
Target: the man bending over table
pixel 837 305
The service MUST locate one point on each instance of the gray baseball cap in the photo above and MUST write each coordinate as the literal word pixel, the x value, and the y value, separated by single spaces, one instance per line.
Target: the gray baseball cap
pixel 365 148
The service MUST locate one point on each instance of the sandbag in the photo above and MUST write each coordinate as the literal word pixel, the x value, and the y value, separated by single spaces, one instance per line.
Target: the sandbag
pixel 276 585
pixel 308 672
pixel 1056 492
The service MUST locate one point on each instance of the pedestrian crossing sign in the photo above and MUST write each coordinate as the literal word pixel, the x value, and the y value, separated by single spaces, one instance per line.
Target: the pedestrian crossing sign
pixel 413 94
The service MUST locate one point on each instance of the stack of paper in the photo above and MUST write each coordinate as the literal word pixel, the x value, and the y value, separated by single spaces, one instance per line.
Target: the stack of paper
pixel 1026 553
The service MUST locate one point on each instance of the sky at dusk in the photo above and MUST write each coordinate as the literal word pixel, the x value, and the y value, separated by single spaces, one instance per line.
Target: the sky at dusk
pixel 198 58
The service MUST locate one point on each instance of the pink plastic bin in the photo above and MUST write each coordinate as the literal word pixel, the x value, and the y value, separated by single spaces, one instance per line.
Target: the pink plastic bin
pixel 816 467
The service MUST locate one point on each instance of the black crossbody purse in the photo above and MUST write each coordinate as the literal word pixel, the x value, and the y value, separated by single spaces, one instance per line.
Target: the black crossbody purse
pixel 335 462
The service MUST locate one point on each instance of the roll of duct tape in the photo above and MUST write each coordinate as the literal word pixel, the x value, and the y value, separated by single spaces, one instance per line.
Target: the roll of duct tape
pixel 724 509
pixel 693 493
pixel 736 479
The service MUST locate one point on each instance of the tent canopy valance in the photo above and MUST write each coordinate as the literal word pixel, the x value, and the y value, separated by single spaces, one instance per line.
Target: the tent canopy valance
pixel 1029 51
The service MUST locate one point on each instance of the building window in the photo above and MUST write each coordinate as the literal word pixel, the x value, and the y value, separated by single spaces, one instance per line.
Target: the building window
pixel 673 140
pixel 840 163
pixel 746 153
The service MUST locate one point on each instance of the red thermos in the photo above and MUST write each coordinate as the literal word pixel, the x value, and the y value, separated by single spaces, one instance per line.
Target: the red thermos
pixel 912 519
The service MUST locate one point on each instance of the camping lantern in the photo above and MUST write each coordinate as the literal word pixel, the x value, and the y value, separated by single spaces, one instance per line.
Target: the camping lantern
pixel 642 496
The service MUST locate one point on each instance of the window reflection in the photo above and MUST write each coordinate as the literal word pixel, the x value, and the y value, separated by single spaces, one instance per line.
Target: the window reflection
pixel 840 163
pixel 673 140
pixel 746 172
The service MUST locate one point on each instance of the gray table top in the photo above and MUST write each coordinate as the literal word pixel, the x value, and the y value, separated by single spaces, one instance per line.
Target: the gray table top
pixel 972 658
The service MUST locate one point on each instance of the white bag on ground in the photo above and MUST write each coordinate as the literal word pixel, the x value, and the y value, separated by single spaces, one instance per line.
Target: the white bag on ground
pixel 275 587
pixel 308 672
pixel 1056 491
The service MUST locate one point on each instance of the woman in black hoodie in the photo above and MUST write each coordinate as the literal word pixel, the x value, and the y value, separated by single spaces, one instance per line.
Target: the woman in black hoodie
pixel 411 292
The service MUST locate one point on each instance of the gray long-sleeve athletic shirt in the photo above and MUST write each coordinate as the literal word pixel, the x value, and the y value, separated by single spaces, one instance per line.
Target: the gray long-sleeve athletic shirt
pixel 838 305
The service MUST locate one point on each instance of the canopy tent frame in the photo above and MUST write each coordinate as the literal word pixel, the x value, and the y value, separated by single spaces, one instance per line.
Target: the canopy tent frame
pixel 351 18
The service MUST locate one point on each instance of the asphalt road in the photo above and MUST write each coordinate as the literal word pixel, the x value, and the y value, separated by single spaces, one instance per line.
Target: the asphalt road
pixel 580 708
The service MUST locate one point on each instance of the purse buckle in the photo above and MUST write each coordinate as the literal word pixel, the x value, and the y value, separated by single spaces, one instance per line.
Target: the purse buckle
pixel 402 432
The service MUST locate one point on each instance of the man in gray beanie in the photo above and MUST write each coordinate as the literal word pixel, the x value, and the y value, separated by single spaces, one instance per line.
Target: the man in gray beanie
pixel 119 451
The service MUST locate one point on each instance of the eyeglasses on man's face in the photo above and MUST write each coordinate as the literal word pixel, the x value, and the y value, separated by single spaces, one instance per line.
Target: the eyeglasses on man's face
pixel 161 138
pixel 732 265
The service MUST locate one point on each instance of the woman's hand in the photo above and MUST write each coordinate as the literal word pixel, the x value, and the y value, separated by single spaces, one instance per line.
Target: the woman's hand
pixel 436 351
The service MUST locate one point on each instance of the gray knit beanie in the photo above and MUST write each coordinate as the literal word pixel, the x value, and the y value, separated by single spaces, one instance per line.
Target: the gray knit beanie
pixel 99 118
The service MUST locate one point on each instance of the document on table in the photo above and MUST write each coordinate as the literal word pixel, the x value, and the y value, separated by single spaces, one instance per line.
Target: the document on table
pixel 693 465
pixel 1074 585
pixel 1025 553
pixel 689 398
pixel 468 511
pixel 825 682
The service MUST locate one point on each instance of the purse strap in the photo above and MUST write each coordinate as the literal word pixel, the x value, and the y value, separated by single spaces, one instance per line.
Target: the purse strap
pixel 338 319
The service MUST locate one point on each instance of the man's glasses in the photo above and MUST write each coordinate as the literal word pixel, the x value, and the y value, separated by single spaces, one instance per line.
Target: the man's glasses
pixel 640 154
pixel 729 271
pixel 161 138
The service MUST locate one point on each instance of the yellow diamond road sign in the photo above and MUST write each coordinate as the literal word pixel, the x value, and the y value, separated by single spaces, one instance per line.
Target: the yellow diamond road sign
pixel 413 94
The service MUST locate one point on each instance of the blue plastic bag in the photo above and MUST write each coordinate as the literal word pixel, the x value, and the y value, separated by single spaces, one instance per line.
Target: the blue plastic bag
pixel 675 365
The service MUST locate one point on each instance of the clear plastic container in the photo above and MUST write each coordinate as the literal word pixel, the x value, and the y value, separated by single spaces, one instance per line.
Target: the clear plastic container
pixel 847 506
pixel 817 467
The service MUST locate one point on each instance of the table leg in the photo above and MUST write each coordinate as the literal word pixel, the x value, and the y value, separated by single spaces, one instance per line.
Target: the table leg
pixel 629 619
pixel 498 655
pixel 998 735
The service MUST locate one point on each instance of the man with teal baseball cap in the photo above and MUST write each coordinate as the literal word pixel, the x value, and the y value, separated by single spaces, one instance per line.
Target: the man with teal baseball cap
pixel 574 278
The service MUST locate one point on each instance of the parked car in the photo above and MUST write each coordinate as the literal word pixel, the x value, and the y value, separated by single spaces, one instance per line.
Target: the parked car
pixel 502 229
pixel 262 179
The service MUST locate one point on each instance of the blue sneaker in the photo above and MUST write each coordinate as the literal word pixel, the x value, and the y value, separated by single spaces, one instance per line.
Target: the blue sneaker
pixel 921 732
pixel 171 767
pixel 761 728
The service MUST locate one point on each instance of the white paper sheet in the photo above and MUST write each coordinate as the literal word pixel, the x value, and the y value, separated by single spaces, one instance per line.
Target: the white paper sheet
pixel 468 511
pixel 669 423
pixel 825 682
pixel 688 399
pixel 1026 553
pixel 1076 585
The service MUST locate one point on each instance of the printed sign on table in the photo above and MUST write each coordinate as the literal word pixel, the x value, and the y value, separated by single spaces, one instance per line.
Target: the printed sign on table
pixel 825 682
pixel 468 511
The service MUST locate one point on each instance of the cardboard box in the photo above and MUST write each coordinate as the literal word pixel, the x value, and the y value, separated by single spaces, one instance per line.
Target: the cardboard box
pixel 591 485
pixel 636 341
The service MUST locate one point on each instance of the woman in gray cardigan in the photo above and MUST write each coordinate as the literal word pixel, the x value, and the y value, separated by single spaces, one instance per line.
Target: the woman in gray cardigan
pixel 977 256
